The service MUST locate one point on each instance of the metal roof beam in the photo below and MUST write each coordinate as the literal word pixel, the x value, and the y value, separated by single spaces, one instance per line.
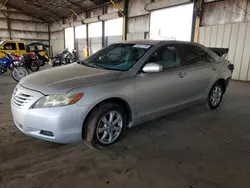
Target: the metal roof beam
pixel 12 6
pixel 41 9
pixel 76 4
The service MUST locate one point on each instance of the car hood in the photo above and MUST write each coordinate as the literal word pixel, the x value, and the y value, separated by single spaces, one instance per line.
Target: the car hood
pixel 60 80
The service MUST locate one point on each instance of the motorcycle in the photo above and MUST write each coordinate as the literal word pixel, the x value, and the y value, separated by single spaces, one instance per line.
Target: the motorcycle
pixel 8 62
pixel 31 61
pixel 41 50
pixel 43 58
pixel 63 58
pixel 13 63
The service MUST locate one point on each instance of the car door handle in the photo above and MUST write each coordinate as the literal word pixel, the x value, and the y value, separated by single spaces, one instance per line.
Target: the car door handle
pixel 182 74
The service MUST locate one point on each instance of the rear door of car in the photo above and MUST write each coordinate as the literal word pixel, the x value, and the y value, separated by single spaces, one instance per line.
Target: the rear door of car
pixel 199 71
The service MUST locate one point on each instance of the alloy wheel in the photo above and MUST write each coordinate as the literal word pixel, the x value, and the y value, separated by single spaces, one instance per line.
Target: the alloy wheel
pixel 216 95
pixel 109 127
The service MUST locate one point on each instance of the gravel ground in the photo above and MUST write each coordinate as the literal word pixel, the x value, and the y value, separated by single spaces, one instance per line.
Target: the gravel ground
pixel 195 148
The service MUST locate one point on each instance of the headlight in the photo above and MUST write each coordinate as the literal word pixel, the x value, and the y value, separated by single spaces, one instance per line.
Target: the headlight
pixel 58 100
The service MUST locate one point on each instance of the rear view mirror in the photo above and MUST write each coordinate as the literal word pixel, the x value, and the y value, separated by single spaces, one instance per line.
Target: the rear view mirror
pixel 152 67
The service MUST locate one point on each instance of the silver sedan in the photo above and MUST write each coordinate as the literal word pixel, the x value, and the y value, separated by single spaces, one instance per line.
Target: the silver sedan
pixel 118 87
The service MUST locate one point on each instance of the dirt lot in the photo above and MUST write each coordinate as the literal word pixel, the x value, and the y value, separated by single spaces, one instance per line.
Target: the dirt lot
pixel 196 148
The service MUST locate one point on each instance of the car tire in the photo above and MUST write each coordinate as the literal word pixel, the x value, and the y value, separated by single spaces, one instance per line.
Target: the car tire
pixel 101 129
pixel 215 96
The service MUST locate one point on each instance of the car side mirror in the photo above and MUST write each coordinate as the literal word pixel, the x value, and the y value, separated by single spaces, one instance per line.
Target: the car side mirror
pixel 152 68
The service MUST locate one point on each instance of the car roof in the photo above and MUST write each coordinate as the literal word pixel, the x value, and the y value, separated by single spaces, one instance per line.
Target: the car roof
pixel 36 43
pixel 14 41
pixel 154 42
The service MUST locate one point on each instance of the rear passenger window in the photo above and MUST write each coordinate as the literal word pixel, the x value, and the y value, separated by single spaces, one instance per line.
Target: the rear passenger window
pixel 21 46
pixel 166 56
pixel 193 54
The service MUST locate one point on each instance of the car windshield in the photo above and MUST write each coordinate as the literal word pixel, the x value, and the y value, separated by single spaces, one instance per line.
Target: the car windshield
pixel 119 57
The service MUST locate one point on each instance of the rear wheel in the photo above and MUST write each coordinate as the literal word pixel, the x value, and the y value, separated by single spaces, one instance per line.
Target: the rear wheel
pixel 105 125
pixel 215 96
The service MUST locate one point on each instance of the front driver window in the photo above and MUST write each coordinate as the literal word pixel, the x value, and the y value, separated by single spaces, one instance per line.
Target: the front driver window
pixel 166 56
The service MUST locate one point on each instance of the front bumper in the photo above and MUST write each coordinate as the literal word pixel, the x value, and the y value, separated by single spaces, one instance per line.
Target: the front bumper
pixel 64 124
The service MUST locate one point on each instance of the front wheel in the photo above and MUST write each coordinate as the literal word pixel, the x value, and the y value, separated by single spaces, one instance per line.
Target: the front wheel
pixel 215 96
pixel 18 73
pixel 105 125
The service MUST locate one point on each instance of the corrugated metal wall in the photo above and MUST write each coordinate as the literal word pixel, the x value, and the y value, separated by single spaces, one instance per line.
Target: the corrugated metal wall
pixel 236 37
pixel 112 39
pixel 56 38
pixel 224 12
pixel 23 26
pixel 138 20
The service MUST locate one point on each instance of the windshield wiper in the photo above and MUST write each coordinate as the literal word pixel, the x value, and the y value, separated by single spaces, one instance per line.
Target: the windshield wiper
pixel 92 65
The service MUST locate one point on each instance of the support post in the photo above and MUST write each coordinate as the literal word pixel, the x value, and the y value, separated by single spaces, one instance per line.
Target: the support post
pixel 125 10
pixel 8 22
pixel 196 20
pixel 87 41
pixel 103 27
pixel 49 36
pixel 64 36
pixel 124 33
pixel 75 44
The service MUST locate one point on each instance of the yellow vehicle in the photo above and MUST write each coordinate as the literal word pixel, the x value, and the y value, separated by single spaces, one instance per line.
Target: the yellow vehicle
pixel 12 46
pixel 40 49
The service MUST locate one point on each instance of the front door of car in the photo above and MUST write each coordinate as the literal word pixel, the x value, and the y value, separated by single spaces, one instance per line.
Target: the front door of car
pixel 199 71
pixel 160 91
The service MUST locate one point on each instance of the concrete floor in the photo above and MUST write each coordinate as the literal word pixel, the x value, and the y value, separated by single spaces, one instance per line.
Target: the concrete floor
pixel 194 148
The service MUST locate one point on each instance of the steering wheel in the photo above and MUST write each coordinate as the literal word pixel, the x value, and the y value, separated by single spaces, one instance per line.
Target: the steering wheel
pixel 106 57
